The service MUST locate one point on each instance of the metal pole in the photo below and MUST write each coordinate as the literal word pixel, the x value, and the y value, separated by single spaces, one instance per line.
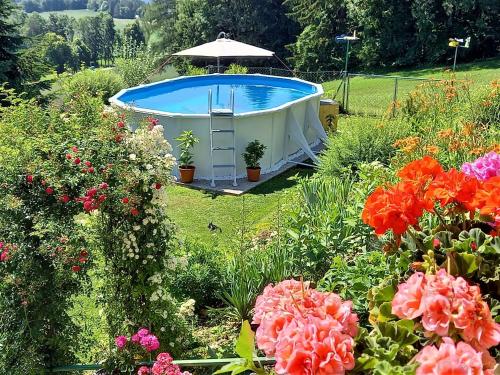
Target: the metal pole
pixel 395 97
pixel 218 64
pixel 344 95
pixel 455 59
pixel 347 94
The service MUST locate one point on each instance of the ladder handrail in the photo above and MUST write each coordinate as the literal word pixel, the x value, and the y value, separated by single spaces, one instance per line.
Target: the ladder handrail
pixel 212 148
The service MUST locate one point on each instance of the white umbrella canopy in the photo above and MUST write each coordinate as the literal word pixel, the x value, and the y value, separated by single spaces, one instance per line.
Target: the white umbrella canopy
pixel 225 47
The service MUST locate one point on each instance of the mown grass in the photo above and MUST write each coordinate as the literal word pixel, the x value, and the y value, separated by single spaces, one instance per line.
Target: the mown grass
pixel 80 13
pixel 192 210
pixel 374 96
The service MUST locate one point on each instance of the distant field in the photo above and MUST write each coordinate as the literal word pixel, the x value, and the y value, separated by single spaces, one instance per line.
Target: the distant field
pixel 374 95
pixel 80 13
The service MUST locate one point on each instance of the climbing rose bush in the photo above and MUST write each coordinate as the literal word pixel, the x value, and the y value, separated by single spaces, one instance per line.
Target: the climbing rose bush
pixel 306 330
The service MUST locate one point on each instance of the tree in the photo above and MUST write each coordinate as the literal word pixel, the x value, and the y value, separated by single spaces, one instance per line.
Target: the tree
pixel 82 53
pixel 133 32
pixel 10 42
pixel 58 52
pixel 321 21
pixel 62 24
pixel 34 25
pixel 91 34
pixel 108 37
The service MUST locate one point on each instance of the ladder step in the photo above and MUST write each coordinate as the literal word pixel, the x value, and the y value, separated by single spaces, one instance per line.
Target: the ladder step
pixel 223 148
pixel 221 112
pixel 224 166
pixel 222 131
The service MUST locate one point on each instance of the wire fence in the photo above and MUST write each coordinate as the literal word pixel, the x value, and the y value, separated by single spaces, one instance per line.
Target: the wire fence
pixel 357 93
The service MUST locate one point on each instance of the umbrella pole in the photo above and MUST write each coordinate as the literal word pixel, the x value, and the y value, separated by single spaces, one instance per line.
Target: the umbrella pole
pixel 218 64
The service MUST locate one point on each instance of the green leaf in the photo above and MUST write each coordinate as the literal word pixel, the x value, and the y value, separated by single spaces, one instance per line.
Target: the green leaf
pixel 234 368
pixel 245 344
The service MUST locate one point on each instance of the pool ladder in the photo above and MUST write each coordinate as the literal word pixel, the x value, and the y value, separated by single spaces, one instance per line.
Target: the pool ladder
pixel 227 113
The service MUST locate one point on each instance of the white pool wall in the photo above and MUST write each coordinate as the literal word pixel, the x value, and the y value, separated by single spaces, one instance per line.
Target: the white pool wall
pixel 269 126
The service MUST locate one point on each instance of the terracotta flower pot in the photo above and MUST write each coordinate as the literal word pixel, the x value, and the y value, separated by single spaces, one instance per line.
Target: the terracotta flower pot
pixel 187 173
pixel 253 174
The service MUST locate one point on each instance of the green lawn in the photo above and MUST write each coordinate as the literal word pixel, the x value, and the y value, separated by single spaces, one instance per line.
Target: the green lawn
pixel 192 210
pixel 80 13
pixel 375 95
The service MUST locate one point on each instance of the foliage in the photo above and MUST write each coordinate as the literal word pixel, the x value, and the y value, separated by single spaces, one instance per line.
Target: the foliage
pixel 137 68
pixel 186 140
pixel 198 274
pixel 352 278
pixel 99 83
pixel 249 272
pixel 325 222
pixel 450 121
pixel 58 52
pixel 191 70
pixel 236 69
pixel 361 142
pixel 253 153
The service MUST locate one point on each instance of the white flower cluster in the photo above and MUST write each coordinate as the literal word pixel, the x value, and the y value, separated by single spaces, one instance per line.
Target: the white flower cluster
pixel 130 247
pixel 154 149
pixel 186 309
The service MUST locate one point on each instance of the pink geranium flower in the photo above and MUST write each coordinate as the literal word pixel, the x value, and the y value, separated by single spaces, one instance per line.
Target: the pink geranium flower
pixel 447 303
pixel 451 359
pixel 484 167
pixel 143 370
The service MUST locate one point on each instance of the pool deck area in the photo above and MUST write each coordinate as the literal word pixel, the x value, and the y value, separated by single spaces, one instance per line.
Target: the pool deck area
pixel 226 187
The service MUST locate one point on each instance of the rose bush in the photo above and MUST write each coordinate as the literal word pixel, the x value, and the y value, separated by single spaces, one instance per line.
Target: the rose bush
pixel 60 165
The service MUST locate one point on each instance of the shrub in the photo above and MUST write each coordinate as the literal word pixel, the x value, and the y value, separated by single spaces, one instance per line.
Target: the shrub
pixel 192 70
pixel 236 69
pixel 136 70
pixel 102 83
pixel 198 274
pixel 326 220
pixel 186 140
pixel 360 141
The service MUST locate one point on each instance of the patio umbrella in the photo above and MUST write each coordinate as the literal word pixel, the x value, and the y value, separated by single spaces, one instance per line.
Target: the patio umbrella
pixel 225 47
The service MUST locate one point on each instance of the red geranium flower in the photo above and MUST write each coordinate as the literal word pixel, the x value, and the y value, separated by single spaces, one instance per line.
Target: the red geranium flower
pixel 29 179
pixel 134 211
pixel 49 191
pixel 65 198
pixel 453 187
pixel 394 208
pixel 421 170
pixel 487 198
pixel 76 268
pixel 125 200
pixel 77 161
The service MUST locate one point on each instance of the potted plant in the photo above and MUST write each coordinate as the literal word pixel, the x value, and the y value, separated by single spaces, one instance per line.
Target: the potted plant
pixel 252 155
pixel 186 142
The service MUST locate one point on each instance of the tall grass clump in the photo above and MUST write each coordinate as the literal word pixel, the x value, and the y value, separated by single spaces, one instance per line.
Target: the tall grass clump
pixel 360 140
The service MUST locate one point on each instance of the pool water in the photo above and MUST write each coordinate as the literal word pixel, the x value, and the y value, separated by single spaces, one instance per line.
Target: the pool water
pixel 190 95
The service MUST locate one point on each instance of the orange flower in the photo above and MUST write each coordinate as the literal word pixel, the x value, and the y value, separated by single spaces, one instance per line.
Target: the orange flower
pixel 432 149
pixel 395 208
pixel 468 128
pixel 453 187
pixel 446 133
pixel 421 170
pixel 487 198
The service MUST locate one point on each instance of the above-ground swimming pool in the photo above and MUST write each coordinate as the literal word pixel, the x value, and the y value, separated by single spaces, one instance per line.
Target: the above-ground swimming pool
pixel 282 113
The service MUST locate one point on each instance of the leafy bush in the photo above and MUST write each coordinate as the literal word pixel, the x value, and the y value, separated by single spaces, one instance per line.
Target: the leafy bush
pixel 137 69
pixel 192 70
pixel 326 221
pixel 360 141
pixel 102 83
pixel 198 274
pixel 236 69
pixel 353 277
pixel 253 153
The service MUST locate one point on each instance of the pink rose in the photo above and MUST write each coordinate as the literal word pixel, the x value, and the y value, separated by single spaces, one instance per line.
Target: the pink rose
pixel 143 332
pixel 143 370
pixel 121 341
pixel 135 338
pixel 150 343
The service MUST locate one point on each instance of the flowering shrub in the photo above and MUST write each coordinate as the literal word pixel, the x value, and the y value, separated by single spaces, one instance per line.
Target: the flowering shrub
pixel 450 121
pixel 60 166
